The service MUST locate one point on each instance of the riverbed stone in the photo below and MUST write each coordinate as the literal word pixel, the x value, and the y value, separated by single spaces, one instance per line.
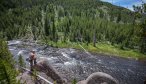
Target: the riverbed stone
pixel 99 78
pixel 50 71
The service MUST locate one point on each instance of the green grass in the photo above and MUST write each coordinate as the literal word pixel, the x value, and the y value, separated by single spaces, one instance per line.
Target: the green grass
pixel 112 50
pixel 102 48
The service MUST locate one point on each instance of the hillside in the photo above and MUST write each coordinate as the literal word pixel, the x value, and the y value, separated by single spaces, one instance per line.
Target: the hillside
pixel 86 21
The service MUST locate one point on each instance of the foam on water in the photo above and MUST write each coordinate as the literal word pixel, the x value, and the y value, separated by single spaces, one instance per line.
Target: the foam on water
pixel 13 42
pixel 17 42
pixel 11 49
pixel 67 63
pixel 73 62
pixel 20 52
pixel 65 55
pixel 99 61
pixel 52 58
pixel 72 50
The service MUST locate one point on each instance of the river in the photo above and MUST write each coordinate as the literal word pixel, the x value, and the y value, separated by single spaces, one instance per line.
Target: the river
pixel 72 63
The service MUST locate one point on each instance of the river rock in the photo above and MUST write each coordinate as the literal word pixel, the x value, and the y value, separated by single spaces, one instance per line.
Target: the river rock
pixel 50 71
pixel 99 78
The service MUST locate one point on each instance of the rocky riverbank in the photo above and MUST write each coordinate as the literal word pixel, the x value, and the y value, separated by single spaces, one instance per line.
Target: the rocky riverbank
pixel 76 64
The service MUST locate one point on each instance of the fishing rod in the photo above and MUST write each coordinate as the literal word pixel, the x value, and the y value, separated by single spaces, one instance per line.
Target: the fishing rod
pixel 84 48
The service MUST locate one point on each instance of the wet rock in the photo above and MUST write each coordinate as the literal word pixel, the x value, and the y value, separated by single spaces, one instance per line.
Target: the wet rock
pixel 50 71
pixel 99 78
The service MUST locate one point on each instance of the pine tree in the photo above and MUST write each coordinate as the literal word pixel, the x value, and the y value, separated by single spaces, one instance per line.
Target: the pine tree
pixel 74 81
pixel 119 18
pixel 21 62
pixel 143 37
pixel 7 70
pixel 138 12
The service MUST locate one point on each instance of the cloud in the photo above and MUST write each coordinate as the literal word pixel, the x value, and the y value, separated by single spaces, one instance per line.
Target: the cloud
pixel 112 1
pixel 144 1
pixel 125 3
pixel 130 5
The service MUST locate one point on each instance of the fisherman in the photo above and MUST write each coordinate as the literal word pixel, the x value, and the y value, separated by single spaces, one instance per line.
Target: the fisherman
pixel 32 59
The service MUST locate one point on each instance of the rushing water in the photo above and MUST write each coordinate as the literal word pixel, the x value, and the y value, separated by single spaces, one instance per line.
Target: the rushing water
pixel 77 64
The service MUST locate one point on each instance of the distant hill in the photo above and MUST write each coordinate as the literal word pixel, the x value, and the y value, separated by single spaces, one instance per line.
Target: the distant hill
pixel 88 21
pixel 105 9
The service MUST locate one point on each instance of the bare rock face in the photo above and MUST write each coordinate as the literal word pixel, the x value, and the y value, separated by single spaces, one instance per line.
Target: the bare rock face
pixel 45 67
pixel 99 78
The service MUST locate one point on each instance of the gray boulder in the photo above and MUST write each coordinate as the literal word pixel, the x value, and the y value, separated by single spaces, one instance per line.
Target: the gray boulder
pixel 50 71
pixel 99 78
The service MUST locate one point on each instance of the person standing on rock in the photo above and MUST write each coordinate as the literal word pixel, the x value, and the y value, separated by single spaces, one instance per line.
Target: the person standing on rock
pixel 32 58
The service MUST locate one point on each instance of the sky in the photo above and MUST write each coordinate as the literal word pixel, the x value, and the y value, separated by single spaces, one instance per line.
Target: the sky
pixel 126 3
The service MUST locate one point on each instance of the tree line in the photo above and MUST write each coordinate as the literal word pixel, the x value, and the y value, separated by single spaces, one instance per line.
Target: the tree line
pixel 87 21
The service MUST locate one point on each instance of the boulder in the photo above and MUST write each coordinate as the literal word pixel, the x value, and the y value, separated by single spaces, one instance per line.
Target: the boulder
pixel 99 78
pixel 50 71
